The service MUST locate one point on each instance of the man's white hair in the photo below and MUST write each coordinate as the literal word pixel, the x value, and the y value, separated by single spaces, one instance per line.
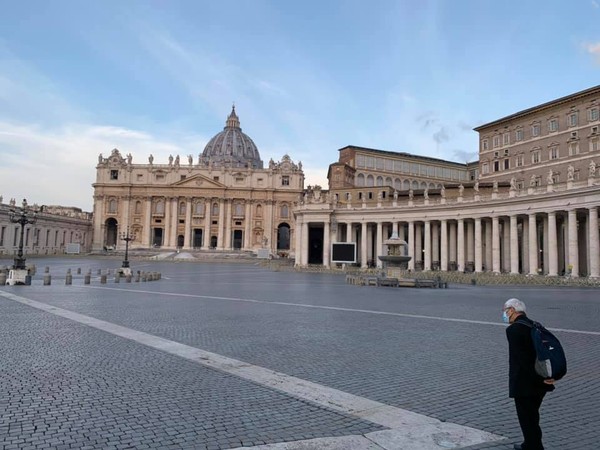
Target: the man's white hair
pixel 515 303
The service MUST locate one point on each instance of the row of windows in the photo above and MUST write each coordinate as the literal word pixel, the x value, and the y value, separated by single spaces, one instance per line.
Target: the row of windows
pixel 397 183
pixel 536 156
pixel 552 126
pixel 419 169
pixel 114 175
pixel 34 236
pixel 198 208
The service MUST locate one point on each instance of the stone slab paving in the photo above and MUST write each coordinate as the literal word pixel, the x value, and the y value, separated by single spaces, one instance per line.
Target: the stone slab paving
pixel 371 342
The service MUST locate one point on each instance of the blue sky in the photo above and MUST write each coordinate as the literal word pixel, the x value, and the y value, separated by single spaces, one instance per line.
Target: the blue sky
pixel 80 78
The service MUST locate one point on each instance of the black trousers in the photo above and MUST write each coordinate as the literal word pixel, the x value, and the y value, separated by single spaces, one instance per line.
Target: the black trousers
pixel 528 412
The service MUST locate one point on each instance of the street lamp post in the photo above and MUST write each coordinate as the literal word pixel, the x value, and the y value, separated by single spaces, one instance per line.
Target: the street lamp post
pixel 23 216
pixel 127 237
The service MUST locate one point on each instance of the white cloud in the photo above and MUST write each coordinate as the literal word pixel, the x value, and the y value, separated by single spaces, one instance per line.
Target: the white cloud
pixel 593 49
pixel 57 166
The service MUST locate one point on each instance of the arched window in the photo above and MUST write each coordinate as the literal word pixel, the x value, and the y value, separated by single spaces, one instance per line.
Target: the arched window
pixel 215 209
pixel 414 184
pixel 138 207
pixel 423 185
pixel 258 210
pixel 370 180
pixel 112 206
pixel 389 182
pixel 199 208
pixel 406 185
pixel 182 208
pixel 379 181
pixel 284 211
pixel 397 184
pixel 360 179
pixel 238 209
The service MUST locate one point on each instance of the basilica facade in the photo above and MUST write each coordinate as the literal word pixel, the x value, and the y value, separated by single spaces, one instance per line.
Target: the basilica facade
pixel 225 200
pixel 529 205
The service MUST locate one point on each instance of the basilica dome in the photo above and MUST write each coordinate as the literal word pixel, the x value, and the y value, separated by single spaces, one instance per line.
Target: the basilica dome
pixel 231 147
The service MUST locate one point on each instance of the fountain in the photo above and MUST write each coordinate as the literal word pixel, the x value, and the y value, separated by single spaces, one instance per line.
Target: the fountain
pixel 396 253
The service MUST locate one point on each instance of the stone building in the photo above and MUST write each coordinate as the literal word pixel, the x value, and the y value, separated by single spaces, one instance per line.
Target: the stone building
pixel 57 230
pixel 532 209
pixel 225 200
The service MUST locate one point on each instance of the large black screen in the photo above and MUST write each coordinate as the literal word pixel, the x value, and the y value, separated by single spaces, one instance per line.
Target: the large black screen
pixel 343 252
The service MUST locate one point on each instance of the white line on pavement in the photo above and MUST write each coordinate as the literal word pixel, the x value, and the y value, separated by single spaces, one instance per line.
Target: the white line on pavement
pixel 407 429
pixel 335 308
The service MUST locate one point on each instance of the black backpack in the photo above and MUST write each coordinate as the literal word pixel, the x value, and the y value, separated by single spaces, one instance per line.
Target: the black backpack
pixel 551 361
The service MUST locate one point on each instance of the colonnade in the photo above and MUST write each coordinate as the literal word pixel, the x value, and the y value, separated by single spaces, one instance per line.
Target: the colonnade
pixel 558 242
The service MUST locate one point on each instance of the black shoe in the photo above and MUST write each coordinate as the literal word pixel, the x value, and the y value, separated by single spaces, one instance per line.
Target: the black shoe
pixel 518 446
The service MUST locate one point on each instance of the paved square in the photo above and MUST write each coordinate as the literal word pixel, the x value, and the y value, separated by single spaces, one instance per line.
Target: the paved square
pixel 439 353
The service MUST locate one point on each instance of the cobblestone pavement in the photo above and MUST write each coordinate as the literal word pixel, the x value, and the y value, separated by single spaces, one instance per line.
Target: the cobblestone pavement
pixel 396 346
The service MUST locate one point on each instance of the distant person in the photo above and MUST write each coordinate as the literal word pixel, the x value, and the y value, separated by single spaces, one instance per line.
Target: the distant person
pixel 524 384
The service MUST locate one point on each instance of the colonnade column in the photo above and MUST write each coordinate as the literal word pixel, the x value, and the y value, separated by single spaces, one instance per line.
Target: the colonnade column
pixel 435 244
pixel 594 243
pixel 411 245
pixel 444 245
pixel 349 232
pixel 573 244
pixel 419 244
pixel 379 245
pixel 514 246
pixel 326 243
pixel 460 245
pixel 496 244
pixel 470 241
pixel 363 245
pixel 552 245
pixel 427 256
pixel 304 252
pixel 452 239
pixel 478 246
pixel 394 228
pixel 533 247
pixel 298 245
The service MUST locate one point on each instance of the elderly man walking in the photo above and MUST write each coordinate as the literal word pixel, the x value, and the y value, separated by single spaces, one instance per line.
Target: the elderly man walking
pixel 524 384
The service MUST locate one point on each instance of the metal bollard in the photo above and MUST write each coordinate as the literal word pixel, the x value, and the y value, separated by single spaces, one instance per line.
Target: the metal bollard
pixel 2 278
pixel 69 278
pixel 144 277
pixel 87 279
pixel 47 269
pixel 103 279
pixel 99 271
pixel 79 271
pixel 117 277
pixel 128 278
pixel 47 279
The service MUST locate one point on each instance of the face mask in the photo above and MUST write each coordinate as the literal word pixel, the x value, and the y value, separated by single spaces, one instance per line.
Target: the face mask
pixel 505 317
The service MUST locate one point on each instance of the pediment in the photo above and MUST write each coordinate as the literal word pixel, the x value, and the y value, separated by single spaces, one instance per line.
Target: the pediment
pixel 199 181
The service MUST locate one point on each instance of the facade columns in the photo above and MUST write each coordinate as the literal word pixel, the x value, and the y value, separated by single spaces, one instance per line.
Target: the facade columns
pixel 496 244
pixel 363 245
pixel 326 243
pixel 419 244
pixel 525 245
pixel 444 245
pixel 594 244
pixel 220 240
pixel 395 228
pixel 248 226
pixel 229 204
pixel 460 244
pixel 147 230
pixel 435 244
pixel 552 245
pixel 514 245
pixel 470 242
pixel 427 246
pixel 478 246
pixel 573 244
pixel 379 245
pixel 187 239
pixel 299 240
pixel 411 245
pixel 533 245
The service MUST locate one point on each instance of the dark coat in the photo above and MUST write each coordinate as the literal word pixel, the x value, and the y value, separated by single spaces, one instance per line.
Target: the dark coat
pixel 523 381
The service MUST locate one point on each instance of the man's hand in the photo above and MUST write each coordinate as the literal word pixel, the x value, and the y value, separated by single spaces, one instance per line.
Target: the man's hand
pixel 549 381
